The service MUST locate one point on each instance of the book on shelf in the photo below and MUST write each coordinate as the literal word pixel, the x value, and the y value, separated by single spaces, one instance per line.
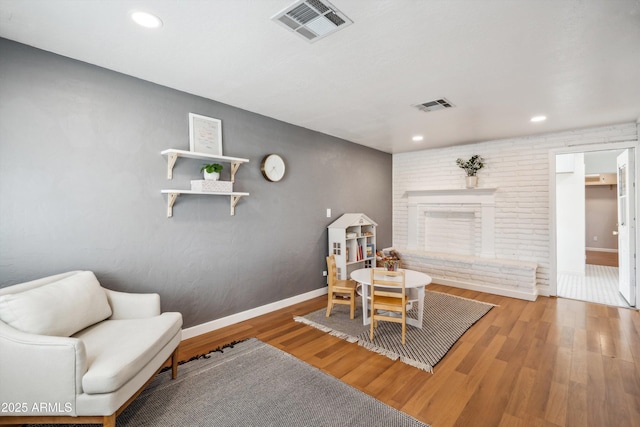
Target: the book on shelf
pixel 370 250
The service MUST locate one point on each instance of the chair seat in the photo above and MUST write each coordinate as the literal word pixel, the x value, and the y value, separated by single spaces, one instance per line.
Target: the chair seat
pixel 340 291
pixel 118 349
pixel 388 300
pixel 390 303
pixel 344 286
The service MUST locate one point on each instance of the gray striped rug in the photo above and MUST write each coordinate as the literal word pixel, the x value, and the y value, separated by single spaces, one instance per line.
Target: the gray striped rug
pixel 446 319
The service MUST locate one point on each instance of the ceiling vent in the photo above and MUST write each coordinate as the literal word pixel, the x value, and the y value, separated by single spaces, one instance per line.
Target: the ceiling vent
pixel 312 19
pixel 438 104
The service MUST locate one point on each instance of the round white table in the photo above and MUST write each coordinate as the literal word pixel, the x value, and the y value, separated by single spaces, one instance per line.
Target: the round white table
pixel 414 282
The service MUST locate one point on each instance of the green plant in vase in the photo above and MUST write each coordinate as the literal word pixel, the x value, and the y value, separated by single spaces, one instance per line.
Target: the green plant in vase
pixel 212 171
pixel 471 168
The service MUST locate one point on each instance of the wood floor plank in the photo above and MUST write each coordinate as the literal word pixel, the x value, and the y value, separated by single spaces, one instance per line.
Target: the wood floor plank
pixel 579 370
pixel 486 405
pixel 633 405
pixel 556 404
pixel 552 362
pixel 577 405
pixel 544 374
pixel 602 258
pixel 517 404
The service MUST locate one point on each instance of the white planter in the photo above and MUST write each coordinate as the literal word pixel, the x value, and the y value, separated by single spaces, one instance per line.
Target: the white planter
pixel 471 181
pixel 213 176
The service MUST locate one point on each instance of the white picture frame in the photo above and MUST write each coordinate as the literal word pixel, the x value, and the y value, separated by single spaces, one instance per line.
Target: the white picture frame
pixel 205 135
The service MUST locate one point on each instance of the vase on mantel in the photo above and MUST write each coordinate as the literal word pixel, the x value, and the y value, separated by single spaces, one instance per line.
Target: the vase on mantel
pixel 471 181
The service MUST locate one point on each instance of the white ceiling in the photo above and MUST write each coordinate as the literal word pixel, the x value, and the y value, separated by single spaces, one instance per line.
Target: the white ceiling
pixel 500 62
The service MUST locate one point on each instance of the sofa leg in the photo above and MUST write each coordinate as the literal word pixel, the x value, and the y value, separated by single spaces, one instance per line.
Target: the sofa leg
pixel 109 421
pixel 174 364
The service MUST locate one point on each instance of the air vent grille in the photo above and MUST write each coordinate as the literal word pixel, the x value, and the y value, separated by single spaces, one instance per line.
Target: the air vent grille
pixel 438 104
pixel 334 18
pixel 320 7
pixel 312 19
pixel 303 14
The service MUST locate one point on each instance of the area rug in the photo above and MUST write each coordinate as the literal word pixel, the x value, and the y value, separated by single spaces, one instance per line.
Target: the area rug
pixel 446 318
pixel 255 384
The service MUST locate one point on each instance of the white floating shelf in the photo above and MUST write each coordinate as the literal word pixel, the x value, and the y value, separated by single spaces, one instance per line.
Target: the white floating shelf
pixel 173 154
pixel 173 195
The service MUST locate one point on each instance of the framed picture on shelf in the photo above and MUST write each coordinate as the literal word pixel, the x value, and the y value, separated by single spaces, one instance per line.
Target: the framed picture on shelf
pixel 371 250
pixel 205 135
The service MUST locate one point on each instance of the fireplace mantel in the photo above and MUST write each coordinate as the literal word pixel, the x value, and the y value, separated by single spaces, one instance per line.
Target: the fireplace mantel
pixel 482 197
pixel 451 192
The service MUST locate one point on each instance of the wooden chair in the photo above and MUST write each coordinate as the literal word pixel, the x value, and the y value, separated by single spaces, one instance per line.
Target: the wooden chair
pixel 339 289
pixel 389 296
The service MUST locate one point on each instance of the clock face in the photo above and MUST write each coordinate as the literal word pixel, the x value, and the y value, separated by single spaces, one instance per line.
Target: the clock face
pixel 273 167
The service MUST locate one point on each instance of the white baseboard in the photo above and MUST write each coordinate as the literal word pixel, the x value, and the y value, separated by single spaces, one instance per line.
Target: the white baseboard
pixel 488 289
pixel 602 250
pixel 203 328
pixel 544 290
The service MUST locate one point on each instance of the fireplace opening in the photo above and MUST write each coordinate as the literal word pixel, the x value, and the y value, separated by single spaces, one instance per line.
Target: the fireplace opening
pixel 454 232
pixel 455 221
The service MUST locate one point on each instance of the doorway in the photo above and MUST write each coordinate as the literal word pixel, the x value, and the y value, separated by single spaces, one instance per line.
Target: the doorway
pixel 587 225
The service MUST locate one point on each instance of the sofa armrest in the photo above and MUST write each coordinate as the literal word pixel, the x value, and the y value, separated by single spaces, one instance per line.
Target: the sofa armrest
pixel 133 306
pixel 40 375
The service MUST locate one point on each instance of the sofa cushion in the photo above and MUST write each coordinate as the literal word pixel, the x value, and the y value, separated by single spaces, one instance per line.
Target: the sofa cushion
pixel 61 308
pixel 118 349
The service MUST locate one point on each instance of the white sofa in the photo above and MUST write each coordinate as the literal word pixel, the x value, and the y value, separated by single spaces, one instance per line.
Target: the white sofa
pixel 72 351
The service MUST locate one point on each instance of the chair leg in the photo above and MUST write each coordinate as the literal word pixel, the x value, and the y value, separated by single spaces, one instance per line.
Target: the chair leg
pixel 404 326
pixel 372 325
pixel 109 420
pixel 329 306
pixel 174 364
pixel 353 306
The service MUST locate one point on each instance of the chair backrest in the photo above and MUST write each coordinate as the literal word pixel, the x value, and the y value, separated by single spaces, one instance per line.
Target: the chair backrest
pixel 26 286
pixel 387 283
pixel 331 270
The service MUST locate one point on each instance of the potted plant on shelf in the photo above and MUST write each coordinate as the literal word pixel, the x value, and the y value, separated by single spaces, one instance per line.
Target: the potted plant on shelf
pixel 471 167
pixel 211 171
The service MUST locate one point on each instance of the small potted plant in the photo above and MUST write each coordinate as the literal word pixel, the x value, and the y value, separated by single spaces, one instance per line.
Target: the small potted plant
pixel 212 171
pixel 471 167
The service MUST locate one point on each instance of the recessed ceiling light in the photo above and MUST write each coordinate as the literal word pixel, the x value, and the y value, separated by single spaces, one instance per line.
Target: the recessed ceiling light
pixel 146 20
pixel 418 138
pixel 537 119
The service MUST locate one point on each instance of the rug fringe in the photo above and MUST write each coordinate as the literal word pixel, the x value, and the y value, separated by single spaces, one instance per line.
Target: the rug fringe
pixel 466 299
pixel 382 351
pixel 368 345
pixel 326 329
pixel 416 364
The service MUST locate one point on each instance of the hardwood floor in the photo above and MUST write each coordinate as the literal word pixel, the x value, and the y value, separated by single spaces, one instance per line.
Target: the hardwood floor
pixel 610 259
pixel 553 362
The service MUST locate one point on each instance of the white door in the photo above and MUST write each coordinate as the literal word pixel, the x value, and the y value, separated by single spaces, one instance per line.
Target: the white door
pixel 626 228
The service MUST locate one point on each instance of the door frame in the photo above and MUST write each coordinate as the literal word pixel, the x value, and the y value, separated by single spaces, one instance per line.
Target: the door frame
pixel 553 254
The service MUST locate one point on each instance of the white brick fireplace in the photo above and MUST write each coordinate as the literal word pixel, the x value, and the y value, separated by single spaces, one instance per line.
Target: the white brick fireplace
pixel 457 221
pixel 451 235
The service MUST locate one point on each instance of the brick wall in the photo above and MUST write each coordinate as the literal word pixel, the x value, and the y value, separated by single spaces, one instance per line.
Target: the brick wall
pixel 519 168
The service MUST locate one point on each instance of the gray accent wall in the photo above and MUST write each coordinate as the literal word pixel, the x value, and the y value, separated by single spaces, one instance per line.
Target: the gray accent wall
pixel 81 174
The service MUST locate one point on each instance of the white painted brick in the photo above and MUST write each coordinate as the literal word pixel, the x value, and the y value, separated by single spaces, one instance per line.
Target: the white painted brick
pixel 519 168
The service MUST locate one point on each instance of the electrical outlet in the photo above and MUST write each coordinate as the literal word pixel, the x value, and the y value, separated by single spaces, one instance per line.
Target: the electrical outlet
pixel 595 238
pixel 328 212
pixel 324 273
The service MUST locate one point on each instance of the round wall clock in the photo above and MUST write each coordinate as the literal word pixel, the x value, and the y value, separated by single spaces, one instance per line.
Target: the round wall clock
pixel 272 167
